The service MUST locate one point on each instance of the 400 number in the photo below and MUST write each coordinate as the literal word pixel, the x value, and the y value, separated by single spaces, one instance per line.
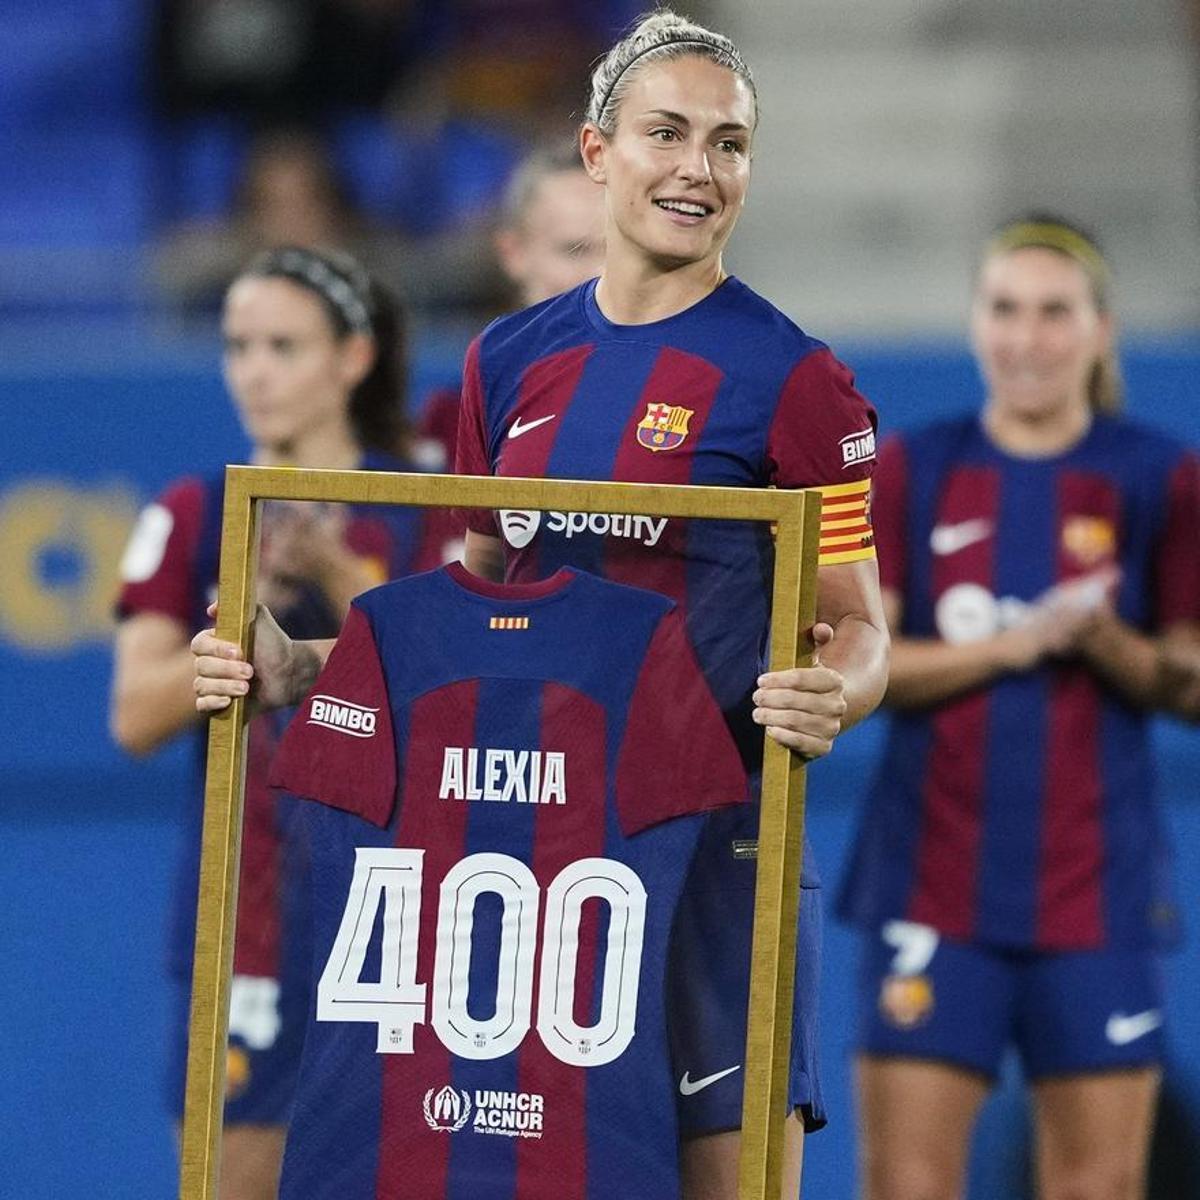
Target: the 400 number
pixel 396 1003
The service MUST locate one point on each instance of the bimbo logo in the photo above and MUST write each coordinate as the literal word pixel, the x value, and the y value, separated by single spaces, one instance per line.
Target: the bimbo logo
pixel 342 715
pixel 520 527
pixel 857 447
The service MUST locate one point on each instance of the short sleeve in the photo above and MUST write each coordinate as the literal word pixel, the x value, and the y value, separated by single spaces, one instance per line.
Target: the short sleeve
pixel 471 451
pixel 677 755
pixel 339 748
pixel 823 430
pixel 158 567
pixel 888 512
pixel 1177 556
pixel 436 434
pixel 823 436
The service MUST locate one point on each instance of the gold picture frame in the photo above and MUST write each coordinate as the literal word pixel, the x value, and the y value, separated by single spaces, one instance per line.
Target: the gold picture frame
pixel 796 518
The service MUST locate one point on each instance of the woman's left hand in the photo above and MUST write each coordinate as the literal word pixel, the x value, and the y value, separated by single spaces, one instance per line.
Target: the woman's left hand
pixel 802 708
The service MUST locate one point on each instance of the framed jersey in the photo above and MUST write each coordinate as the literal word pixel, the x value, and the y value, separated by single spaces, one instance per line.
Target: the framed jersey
pixel 402 700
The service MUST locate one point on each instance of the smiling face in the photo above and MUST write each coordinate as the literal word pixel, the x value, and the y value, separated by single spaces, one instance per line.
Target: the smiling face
pixel 677 166
pixel 289 374
pixel 1037 332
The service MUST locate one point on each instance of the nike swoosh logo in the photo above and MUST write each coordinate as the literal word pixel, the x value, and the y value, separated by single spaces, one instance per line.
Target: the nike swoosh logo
pixel 1121 1030
pixel 950 539
pixel 689 1087
pixel 516 428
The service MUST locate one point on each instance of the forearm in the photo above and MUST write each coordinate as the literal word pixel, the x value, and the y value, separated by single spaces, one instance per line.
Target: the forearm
pixel 1179 671
pixel 1125 659
pixel 859 652
pixel 152 702
pixel 308 658
pixel 928 671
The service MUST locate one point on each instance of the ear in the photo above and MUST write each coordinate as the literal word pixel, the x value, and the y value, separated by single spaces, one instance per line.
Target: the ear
pixel 593 148
pixel 357 358
pixel 510 251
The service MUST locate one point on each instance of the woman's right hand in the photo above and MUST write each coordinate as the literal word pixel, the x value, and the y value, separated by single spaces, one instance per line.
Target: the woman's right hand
pixel 222 672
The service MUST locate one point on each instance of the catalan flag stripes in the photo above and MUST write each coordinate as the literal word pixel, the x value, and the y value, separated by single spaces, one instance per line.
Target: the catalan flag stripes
pixel 846 534
pixel 508 623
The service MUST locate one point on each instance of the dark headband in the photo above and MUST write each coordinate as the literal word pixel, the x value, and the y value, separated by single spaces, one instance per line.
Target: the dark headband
pixel 340 292
pixel 641 54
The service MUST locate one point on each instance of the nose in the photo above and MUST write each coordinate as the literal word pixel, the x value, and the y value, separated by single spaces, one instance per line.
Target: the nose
pixel 1025 333
pixel 694 166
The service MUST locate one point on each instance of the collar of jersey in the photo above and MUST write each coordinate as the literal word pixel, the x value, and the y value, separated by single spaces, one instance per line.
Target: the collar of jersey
pixel 649 329
pixel 1094 433
pixel 542 589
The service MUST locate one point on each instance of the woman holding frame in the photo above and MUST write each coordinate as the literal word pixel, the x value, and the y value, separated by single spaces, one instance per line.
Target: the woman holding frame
pixel 666 369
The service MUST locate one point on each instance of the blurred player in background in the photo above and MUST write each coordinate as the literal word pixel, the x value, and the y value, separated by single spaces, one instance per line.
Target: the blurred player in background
pixel 551 235
pixel 1009 869
pixel 550 239
pixel 314 362
pixel 668 370
pixel 290 192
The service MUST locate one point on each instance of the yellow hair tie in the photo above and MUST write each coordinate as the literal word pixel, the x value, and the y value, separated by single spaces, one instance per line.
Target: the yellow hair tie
pixel 1052 237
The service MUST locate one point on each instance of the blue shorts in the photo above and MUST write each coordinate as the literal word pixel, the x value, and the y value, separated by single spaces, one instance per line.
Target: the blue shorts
pixel 260 1069
pixel 1064 1012
pixel 708 987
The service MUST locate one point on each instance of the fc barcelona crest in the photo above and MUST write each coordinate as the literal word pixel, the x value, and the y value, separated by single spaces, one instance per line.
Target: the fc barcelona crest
pixel 664 426
pixel 906 1001
pixel 1089 540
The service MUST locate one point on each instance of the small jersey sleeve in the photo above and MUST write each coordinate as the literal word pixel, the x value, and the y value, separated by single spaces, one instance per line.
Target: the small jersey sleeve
pixel 1177 559
pixel 158 567
pixel 443 529
pixel 339 748
pixel 677 755
pixel 888 512
pixel 823 436
pixel 472 456
pixel 256 938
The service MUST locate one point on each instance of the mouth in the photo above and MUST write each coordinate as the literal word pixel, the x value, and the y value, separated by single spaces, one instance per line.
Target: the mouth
pixel 688 212
pixel 1028 376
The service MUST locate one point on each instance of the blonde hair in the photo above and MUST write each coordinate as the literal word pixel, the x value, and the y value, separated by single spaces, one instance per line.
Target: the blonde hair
pixel 657 37
pixel 1105 387
pixel 546 160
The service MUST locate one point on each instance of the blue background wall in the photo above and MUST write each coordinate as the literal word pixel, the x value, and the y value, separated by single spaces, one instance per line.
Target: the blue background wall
pixel 88 837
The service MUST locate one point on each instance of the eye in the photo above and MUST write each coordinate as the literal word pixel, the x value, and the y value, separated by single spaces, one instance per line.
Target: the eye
pixel 234 345
pixel 283 345
pixel 1003 307
pixel 731 145
pixel 665 134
